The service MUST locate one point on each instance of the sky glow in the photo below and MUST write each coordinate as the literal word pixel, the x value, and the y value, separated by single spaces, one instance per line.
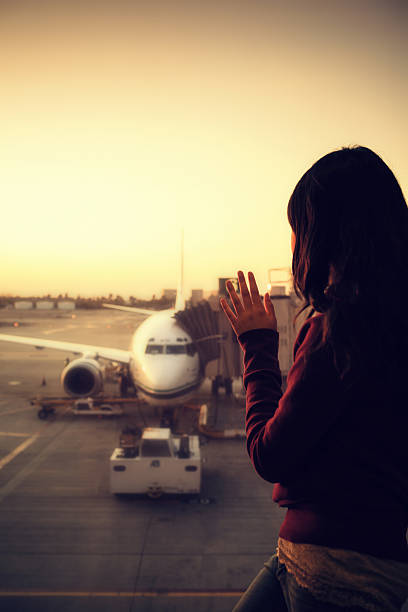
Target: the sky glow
pixel 121 125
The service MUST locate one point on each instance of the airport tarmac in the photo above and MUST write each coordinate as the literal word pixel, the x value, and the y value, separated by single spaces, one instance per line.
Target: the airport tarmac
pixel 67 543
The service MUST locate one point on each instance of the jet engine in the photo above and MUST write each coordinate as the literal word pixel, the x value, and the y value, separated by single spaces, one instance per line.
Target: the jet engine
pixel 82 378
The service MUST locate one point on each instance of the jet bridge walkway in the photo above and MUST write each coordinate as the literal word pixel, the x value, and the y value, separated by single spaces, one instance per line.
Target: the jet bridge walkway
pixel 217 346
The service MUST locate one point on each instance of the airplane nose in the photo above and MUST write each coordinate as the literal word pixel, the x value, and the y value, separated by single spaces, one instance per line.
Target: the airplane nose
pixel 163 377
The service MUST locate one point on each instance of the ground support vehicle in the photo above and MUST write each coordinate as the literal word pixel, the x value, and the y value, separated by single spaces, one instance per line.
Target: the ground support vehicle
pixel 86 406
pixel 156 463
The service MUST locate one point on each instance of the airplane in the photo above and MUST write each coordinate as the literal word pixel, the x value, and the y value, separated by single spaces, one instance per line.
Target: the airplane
pixel 162 361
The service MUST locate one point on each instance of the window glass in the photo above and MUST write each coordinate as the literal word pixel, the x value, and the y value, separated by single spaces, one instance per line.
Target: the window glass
pixel 175 349
pixel 154 349
pixel 155 448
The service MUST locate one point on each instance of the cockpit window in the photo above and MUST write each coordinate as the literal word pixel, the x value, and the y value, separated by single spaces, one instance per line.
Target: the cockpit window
pixel 171 349
pixel 175 349
pixel 191 349
pixel 154 349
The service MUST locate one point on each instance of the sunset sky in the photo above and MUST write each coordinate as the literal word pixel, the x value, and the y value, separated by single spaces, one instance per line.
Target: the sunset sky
pixel 122 122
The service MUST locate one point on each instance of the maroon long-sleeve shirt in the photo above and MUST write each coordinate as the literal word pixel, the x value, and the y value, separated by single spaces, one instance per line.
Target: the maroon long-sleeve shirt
pixel 339 458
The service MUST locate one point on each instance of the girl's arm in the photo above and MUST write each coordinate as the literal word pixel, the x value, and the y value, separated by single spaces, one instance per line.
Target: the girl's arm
pixel 282 431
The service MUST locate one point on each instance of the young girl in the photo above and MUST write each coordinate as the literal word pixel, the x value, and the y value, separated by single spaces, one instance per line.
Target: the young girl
pixel 336 442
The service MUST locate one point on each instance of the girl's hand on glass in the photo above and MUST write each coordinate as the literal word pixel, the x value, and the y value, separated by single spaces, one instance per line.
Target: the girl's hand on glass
pixel 251 312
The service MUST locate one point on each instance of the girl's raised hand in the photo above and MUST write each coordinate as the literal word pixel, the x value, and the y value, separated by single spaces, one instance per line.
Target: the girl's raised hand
pixel 251 312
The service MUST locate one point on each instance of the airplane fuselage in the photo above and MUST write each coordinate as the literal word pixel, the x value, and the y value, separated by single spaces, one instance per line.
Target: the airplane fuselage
pixel 164 363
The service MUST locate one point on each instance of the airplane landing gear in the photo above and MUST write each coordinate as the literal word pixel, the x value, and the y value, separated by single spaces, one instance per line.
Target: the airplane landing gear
pixel 44 413
pixel 154 492
pixel 220 381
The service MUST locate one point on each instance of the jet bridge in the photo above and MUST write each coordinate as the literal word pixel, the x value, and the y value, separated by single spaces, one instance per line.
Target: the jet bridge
pixel 217 346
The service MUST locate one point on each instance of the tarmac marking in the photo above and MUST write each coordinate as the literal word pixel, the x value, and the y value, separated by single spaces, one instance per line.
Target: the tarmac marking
pixel 52 331
pixel 34 462
pixel 121 594
pixel 17 451
pixel 14 435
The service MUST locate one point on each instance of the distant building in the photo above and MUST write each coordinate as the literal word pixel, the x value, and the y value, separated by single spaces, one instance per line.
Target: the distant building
pixel 170 294
pixel 66 305
pixel 44 305
pixel 286 307
pixel 285 310
pixel 277 290
pixel 222 285
pixel 23 305
pixel 197 295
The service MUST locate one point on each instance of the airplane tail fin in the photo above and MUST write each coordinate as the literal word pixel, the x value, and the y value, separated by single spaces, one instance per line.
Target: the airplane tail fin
pixel 180 300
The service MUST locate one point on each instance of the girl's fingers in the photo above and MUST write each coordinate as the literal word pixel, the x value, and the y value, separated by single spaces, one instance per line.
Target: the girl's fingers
pixel 226 308
pixel 268 304
pixel 234 297
pixel 270 311
pixel 246 298
pixel 256 298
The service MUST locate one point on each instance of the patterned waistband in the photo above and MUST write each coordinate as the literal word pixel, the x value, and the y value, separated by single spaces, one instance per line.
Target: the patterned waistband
pixel 346 577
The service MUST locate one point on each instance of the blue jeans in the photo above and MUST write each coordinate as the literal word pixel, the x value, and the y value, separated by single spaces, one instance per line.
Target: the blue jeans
pixel 275 590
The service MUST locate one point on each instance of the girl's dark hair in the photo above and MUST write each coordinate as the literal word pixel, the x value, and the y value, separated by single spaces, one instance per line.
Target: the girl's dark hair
pixel 350 260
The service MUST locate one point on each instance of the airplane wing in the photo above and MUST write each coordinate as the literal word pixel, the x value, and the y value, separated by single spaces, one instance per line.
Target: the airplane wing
pixel 78 349
pixel 143 311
